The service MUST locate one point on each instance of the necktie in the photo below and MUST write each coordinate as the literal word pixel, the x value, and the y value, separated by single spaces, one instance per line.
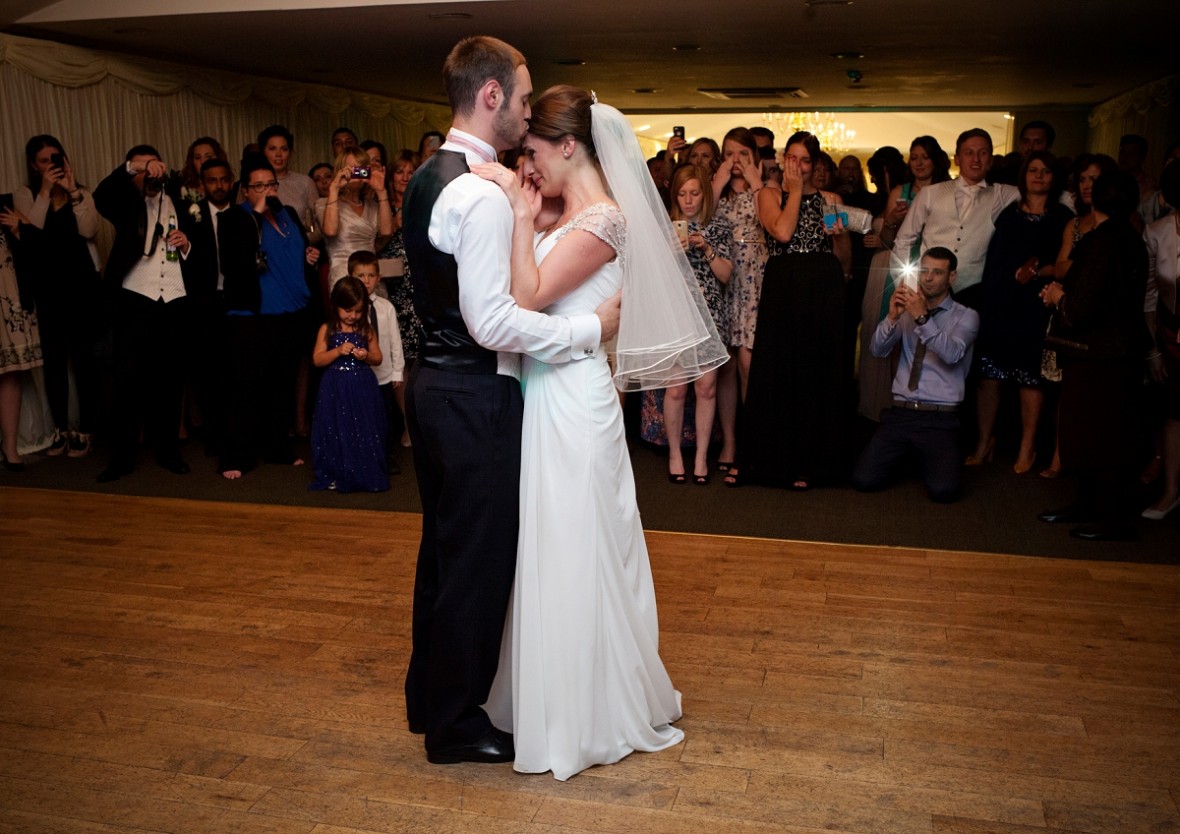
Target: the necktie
pixel 919 355
pixel 972 200
pixel 373 321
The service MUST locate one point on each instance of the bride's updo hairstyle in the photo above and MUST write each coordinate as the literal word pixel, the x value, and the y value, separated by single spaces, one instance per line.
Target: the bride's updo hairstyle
pixel 563 111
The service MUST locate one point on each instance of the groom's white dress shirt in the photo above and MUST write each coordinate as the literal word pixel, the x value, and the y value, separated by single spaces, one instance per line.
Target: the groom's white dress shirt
pixel 472 221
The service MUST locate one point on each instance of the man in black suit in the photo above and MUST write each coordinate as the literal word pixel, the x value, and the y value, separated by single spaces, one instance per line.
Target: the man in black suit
pixel 156 271
pixel 206 356
pixel 464 404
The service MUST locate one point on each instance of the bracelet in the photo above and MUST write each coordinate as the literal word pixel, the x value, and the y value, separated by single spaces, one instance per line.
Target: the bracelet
pixel 710 258
pixel 1154 355
pixel 330 203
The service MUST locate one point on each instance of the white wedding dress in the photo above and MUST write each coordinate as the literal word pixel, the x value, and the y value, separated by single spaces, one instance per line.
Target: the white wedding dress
pixel 580 681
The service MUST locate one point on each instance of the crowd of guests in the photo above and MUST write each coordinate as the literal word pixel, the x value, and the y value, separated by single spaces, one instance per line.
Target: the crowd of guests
pixel 956 290
pixel 208 313
pixel 259 304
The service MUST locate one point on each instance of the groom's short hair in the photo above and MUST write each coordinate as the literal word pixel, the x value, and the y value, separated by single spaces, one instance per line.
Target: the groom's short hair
pixel 472 63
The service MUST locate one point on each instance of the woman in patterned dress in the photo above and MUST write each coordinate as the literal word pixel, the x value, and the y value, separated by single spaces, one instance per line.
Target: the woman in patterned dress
pixel 707 244
pixel 395 273
pixel 20 342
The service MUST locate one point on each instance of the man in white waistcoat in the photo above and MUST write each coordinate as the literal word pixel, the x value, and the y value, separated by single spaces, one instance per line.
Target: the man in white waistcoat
pixel 959 214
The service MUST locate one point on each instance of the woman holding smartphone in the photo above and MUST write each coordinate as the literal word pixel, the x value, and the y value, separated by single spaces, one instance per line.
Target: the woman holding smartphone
pixel 706 239
pixel 67 296
pixel 929 164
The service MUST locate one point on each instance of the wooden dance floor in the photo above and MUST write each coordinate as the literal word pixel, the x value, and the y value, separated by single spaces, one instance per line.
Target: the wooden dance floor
pixel 208 668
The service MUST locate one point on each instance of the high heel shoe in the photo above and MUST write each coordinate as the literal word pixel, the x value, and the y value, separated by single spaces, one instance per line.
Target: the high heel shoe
pixel 12 465
pixel 1050 473
pixel 1023 465
pixel 989 452
pixel 1159 515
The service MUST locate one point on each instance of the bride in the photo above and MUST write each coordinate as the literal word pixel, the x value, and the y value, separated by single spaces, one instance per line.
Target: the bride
pixel 580 679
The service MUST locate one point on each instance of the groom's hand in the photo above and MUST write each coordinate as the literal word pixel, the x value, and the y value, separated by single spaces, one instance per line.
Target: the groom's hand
pixel 608 315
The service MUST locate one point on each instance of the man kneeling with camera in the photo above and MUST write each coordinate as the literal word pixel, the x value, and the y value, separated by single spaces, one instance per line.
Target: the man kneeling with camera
pixel 937 335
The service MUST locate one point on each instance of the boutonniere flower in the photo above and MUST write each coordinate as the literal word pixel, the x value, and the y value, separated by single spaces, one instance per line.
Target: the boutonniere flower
pixel 194 211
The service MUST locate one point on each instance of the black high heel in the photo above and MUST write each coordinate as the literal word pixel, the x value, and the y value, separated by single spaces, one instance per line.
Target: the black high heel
pixel 11 466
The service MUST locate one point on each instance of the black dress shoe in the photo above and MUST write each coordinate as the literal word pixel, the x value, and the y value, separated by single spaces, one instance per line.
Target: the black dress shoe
pixel 113 473
pixel 176 466
pixel 1103 533
pixel 493 747
pixel 1073 514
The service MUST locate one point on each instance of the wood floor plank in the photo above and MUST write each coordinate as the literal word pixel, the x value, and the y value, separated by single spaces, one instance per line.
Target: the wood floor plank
pixel 181 667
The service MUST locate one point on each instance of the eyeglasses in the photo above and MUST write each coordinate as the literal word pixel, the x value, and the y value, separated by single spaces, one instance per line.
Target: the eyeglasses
pixel 262 186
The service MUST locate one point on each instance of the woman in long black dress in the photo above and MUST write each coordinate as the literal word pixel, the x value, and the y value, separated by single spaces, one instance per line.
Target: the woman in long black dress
pixel 793 429
pixel 1021 259
pixel 1100 319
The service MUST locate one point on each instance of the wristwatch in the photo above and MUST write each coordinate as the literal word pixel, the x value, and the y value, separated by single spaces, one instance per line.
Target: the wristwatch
pixel 922 319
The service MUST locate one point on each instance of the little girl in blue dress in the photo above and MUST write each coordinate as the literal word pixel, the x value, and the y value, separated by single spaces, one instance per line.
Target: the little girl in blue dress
pixel 348 429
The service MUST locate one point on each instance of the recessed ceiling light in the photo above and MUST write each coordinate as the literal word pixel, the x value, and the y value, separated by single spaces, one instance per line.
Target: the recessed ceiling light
pixel 686 47
pixel 850 55
pixel 570 62
pixel 451 16
pixel 645 91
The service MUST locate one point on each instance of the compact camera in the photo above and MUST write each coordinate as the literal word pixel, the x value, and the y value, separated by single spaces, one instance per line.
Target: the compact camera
pixel 362 172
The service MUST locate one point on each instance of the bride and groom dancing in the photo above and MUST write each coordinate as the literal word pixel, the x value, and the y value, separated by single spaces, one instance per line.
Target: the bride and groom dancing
pixel 529 511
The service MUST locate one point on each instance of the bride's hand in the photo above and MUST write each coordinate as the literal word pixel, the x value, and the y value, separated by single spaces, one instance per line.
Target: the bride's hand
pixel 523 195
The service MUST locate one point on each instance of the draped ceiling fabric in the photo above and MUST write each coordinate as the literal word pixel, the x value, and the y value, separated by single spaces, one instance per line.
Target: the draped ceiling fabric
pixel 100 104
pixel 1147 111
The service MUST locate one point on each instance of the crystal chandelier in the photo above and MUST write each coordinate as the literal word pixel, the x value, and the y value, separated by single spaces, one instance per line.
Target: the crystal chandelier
pixel 834 137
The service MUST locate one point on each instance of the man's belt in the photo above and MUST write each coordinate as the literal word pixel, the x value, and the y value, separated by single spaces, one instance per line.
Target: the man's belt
pixel 910 405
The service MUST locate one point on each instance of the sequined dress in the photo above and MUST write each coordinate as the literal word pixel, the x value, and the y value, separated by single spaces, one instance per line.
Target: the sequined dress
pixel 348 429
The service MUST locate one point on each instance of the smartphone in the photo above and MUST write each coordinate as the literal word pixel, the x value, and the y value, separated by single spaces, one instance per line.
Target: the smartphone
pixel 57 160
pixel 361 172
pixel 681 227
pixel 6 202
pixel 678 131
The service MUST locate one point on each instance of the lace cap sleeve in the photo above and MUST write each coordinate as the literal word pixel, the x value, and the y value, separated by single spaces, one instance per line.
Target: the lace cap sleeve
pixel 604 221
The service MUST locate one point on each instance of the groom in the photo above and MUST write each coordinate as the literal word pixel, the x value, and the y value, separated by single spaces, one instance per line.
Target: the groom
pixel 464 403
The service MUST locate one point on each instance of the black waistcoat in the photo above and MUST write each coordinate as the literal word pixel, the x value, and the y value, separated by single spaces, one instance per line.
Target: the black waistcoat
pixel 445 342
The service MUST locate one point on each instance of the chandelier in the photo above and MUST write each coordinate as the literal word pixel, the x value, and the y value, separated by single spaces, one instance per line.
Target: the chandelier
pixel 834 136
